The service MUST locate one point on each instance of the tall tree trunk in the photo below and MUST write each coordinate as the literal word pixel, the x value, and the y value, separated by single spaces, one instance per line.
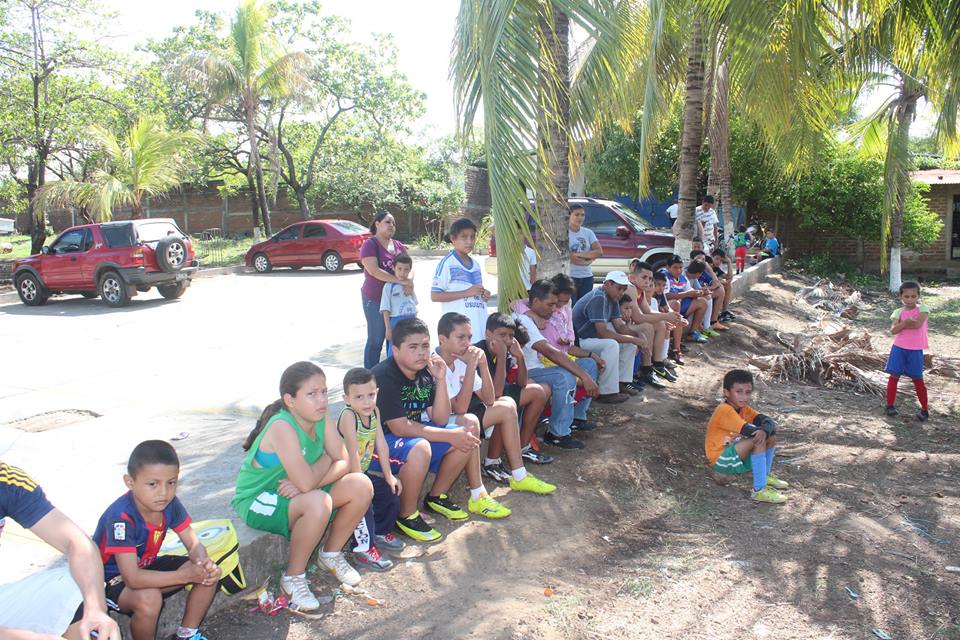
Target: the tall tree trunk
pixel 254 201
pixel 36 177
pixel 720 146
pixel 303 204
pixel 897 172
pixel 690 142
pixel 136 211
pixel 553 244
pixel 249 107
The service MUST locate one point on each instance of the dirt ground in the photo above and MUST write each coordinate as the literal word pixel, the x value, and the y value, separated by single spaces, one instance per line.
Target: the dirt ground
pixel 638 542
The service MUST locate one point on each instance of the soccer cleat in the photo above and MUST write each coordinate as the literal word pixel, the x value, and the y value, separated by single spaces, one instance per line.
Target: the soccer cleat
pixel 415 528
pixel 532 484
pixel 651 380
pixel 670 364
pixel 298 591
pixel 664 373
pixel 390 542
pixel 446 507
pixel 629 389
pixel 582 425
pixel 612 398
pixel 776 483
pixel 697 337
pixel 338 566
pixel 677 357
pixel 923 416
pixel 195 636
pixel 536 457
pixel 372 559
pixel 562 442
pixel 496 472
pixel 768 494
pixel 710 333
pixel 892 411
pixel 488 507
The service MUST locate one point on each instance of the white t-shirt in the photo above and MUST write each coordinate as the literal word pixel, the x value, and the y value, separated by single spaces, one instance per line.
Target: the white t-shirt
pixel 580 242
pixel 456 375
pixel 672 211
pixel 453 275
pixel 709 220
pixel 531 356
pixel 529 259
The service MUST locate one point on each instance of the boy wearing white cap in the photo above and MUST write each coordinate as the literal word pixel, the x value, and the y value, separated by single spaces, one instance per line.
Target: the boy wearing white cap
pixel 598 325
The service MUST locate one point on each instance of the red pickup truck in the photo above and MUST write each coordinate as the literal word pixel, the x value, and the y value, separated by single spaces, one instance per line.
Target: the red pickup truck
pixel 113 260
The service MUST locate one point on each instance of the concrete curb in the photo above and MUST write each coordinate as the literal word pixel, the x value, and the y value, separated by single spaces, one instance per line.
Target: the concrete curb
pixel 752 275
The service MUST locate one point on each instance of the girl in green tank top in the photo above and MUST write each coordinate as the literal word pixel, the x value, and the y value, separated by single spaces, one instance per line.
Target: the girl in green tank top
pixel 295 476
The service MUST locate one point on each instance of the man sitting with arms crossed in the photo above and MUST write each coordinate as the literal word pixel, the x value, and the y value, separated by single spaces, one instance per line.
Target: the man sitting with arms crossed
pixel 647 313
pixel 597 321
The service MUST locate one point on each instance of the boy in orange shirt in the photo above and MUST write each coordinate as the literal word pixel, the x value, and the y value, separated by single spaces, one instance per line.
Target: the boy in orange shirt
pixel 741 440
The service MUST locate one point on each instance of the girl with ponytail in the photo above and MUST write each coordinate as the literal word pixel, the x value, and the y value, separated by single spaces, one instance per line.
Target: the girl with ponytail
pixel 295 475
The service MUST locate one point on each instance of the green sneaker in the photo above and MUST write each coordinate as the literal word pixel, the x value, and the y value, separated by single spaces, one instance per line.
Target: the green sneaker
pixel 488 507
pixel 776 483
pixel 532 484
pixel 415 528
pixel 446 507
pixel 768 494
pixel 710 333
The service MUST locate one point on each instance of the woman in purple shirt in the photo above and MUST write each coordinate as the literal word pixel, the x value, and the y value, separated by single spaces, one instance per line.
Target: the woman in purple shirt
pixel 376 256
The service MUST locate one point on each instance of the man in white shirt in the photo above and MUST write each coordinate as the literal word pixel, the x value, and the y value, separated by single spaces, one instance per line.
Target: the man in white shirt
pixel 707 221
pixel 672 211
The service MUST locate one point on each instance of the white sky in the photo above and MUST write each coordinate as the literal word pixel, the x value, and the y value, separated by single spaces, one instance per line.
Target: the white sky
pixel 422 32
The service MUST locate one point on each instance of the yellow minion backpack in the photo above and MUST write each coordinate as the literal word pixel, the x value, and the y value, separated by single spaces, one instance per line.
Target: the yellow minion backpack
pixel 220 539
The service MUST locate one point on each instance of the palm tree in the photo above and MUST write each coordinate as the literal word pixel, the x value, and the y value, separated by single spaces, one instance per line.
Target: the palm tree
pixel 511 60
pixel 252 67
pixel 147 161
pixel 915 47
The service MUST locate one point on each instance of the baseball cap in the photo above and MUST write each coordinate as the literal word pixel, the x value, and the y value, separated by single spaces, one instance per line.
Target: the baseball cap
pixel 618 277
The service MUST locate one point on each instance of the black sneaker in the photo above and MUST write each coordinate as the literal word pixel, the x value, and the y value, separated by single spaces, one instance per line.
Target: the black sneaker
pixel 446 507
pixel 726 316
pixel 661 370
pixel 416 529
pixel 670 364
pixel 536 457
pixel 923 416
pixel 892 411
pixel 496 472
pixel 582 425
pixel 651 380
pixel 565 442
pixel 612 398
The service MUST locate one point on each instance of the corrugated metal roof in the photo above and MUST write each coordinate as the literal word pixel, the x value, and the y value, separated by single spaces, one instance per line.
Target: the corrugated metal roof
pixel 936 176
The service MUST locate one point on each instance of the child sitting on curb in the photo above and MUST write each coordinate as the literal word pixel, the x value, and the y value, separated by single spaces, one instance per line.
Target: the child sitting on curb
pixel 742 440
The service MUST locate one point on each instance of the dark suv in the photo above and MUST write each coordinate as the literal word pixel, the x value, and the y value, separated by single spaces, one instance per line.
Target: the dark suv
pixel 622 233
pixel 114 260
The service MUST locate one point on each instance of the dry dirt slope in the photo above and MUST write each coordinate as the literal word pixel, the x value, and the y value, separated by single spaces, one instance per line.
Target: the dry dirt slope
pixel 639 542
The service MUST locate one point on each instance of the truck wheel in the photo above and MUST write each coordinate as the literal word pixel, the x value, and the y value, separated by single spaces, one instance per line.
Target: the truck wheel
pixel 171 254
pixel 31 290
pixel 114 290
pixel 172 291
pixel 332 261
pixel 262 263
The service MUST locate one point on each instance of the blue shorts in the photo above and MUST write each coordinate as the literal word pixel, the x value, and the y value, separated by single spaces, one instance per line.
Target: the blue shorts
pixel 400 448
pixel 907 362
pixel 685 305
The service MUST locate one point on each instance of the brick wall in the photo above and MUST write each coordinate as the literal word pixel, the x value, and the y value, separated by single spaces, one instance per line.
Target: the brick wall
pixel 934 259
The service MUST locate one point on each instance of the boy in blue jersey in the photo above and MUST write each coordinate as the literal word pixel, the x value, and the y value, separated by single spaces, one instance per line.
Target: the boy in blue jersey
pixel 129 535
pixel 771 246
pixel 458 281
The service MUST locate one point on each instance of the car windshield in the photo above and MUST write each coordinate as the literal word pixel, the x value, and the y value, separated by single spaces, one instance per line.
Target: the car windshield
pixel 638 223
pixel 155 231
pixel 350 228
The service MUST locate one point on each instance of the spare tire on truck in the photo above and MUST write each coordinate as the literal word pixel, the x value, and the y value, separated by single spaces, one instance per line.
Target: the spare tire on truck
pixel 171 254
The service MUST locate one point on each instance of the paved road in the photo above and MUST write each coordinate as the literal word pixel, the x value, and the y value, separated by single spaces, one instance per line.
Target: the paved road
pixel 203 364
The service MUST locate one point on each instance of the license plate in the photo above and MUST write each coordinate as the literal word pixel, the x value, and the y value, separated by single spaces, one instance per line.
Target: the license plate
pixel 181 277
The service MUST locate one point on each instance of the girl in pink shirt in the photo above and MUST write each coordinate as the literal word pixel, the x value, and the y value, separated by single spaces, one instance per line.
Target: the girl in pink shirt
pixel 906 355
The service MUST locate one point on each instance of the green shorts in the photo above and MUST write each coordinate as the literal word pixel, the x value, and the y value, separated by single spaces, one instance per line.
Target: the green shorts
pixel 270 511
pixel 730 462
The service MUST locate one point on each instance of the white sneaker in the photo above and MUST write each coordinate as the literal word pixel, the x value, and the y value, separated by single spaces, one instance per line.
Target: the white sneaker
pixel 339 566
pixel 298 590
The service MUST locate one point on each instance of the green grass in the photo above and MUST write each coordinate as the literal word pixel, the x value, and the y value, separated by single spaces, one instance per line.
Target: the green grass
pixel 945 316
pixel 686 506
pixel 638 587
pixel 221 252
pixel 21 247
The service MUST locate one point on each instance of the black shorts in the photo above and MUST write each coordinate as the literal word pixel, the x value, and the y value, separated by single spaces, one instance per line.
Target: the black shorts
pixel 115 585
pixel 478 409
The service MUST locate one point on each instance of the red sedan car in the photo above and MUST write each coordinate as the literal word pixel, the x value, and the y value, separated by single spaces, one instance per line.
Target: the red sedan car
pixel 314 243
